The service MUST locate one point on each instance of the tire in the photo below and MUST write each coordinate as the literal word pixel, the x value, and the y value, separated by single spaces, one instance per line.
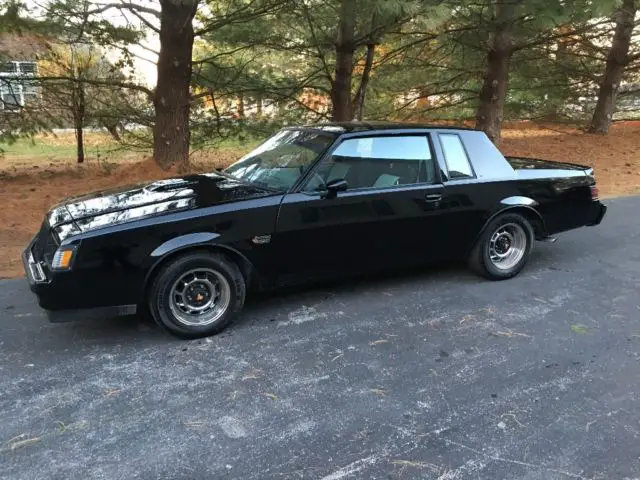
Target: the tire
pixel 504 247
pixel 197 295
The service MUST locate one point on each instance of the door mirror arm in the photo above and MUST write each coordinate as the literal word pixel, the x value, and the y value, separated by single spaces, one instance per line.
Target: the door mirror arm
pixel 333 187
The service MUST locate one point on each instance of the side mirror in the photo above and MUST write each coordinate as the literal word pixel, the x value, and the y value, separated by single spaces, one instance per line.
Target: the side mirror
pixel 335 186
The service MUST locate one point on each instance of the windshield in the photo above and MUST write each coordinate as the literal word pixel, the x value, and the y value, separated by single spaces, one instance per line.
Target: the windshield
pixel 280 161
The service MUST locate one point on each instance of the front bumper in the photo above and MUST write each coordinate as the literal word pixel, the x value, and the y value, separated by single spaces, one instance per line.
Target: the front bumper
pixel 51 297
pixel 37 272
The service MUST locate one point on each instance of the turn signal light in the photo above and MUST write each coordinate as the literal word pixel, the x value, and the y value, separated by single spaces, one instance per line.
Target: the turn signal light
pixel 62 259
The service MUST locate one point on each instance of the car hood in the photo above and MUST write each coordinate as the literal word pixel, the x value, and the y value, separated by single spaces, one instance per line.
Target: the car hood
pixel 108 207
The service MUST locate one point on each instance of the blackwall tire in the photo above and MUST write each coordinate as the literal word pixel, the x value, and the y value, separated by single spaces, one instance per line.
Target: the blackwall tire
pixel 197 295
pixel 504 247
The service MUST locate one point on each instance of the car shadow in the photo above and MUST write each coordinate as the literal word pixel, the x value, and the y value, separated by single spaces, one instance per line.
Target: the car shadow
pixel 111 331
pixel 260 306
pixel 313 291
pixel 141 329
pixel 542 258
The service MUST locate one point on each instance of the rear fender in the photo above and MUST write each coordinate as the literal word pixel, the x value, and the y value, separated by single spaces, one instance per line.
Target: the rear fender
pixel 523 205
pixel 518 201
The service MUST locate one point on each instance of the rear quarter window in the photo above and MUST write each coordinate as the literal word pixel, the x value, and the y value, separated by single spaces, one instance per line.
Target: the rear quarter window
pixel 455 156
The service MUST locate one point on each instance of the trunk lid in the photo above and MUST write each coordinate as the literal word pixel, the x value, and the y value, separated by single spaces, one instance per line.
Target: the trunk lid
pixel 525 163
pixel 532 168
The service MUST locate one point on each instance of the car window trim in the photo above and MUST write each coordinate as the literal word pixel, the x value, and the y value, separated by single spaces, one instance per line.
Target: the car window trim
pixel 374 190
pixel 466 152
pixel 342 138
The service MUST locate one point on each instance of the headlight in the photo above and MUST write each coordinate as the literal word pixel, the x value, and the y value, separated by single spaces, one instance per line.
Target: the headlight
pixel 63 258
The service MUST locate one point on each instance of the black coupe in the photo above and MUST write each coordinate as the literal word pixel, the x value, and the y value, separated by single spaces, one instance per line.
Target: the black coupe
pixel 309 203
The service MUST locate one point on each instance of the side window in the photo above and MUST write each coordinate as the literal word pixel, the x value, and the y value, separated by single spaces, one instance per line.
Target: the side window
pixel 455 156
pixel 377 162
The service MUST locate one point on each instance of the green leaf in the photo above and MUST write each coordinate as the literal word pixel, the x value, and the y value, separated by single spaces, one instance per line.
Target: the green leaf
pixel 578 328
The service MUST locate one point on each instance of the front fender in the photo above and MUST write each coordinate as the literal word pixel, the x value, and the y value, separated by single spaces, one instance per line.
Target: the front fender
pixel 184 241
pixel 206 240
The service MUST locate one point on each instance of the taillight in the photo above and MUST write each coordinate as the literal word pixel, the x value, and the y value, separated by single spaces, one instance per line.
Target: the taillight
pixel 595 194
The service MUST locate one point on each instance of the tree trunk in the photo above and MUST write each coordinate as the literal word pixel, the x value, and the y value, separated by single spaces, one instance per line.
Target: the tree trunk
pixel 112 128
pixel 241 114
pixel 79 109
pixel 172 103
pixel 496 80
pixel 358 104
pixel 617 60
pixel 80 141
pixel 562 58
pixel 342 110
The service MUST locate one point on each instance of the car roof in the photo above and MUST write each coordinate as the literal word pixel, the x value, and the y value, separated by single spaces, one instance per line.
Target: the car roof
pixel 349 127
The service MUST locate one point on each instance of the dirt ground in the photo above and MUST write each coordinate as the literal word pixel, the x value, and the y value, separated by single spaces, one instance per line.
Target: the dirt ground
pixel 29 188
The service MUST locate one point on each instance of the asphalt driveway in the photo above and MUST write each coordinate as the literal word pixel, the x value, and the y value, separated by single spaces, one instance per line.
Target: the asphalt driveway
pixel 435 375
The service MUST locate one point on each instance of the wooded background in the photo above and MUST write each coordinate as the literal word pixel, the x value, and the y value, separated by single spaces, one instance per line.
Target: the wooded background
pixel 229 67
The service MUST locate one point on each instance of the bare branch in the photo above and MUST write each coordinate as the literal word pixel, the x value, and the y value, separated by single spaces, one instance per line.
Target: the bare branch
pixel 320 53
pixel 124 6
pixel 146 22
pixel 104 83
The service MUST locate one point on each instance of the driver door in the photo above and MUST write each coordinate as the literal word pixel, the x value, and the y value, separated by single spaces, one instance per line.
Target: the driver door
pixel 390 213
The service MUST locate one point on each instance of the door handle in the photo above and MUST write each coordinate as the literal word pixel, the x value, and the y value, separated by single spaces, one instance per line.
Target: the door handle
pixel 433 197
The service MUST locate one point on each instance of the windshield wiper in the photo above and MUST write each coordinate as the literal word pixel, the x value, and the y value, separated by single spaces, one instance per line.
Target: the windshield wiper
pixel 267 186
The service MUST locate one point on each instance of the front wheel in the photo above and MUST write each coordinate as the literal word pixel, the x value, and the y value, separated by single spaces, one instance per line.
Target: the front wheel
pixel 197 295
pixel 504 247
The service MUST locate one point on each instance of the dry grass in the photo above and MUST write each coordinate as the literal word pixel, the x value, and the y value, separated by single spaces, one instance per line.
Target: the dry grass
pixel 34 178
pixel 615 157
pixel 28 192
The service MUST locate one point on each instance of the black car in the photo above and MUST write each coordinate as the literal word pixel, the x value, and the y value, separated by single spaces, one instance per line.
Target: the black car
pixel 309 203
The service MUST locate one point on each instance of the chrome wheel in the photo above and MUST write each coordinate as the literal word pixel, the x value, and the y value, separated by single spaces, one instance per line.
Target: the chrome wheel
pixel 507 246
pixel 200 297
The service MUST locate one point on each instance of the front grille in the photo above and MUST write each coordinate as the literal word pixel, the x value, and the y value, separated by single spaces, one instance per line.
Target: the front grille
pixel 36 272
pixel 45 245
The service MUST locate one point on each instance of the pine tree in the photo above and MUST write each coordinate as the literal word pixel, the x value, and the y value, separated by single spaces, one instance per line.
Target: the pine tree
pixel 617 60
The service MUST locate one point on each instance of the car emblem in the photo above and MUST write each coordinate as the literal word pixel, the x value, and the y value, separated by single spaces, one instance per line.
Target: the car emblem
pixel 261 239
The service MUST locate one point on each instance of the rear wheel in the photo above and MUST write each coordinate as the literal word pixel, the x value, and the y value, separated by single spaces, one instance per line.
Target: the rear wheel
pixel 504 247
pixel 197 295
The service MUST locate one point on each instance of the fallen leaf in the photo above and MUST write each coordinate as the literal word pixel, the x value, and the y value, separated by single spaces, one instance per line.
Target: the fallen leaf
pixel 410 463
pixel 510 334
pixel 23 443
pixel 194 424
pixel 379 391
pixel 577 328
pixel 111 392
pixel 515 419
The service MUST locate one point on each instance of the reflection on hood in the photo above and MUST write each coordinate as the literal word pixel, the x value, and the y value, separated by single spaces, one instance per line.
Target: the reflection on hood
pixel 91 223
pixel 101 209
pixel 103 202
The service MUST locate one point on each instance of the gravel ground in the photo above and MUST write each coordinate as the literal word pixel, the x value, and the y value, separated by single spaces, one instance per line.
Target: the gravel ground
pixel 433 374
